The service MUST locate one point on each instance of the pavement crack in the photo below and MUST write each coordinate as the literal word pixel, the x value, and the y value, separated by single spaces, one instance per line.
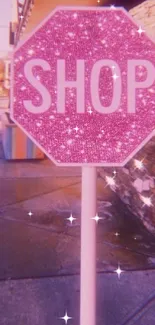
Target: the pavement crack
pixel 37 196
pixel 139 313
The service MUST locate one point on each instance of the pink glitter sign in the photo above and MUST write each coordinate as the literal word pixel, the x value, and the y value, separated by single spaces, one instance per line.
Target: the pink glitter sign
pixel 84 86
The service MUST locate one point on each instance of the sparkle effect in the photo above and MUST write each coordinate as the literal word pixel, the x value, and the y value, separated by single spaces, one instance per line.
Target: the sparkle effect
pixel 140 30
pixel 30 214
pixel 71 219
pixel 66 318
pixel 110 181
pixel 146 200
pixel 115 77
pixel 92 35
pixel 96 218
pixel 118 271
pixel 138 164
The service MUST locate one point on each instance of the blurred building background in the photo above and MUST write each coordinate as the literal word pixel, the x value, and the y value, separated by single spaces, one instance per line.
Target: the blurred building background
pixel 8 22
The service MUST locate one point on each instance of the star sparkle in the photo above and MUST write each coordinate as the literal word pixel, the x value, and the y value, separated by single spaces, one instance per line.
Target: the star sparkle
pixel 90 111
pixel 115 77
pixel 119 271
pixel 71 219
pixel 138 164
pixel 66 318
pixel 30 214
pixel 146 200
pixel 110 181
pixel 140 31
pixel 96 218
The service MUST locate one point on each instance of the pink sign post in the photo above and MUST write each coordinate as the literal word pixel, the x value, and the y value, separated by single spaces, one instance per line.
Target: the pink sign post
pixel 84 92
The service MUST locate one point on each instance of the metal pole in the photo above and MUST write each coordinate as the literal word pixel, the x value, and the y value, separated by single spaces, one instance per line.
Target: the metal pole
pixel 88 248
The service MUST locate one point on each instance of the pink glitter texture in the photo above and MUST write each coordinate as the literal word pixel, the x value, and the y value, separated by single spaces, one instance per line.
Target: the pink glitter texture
pixel 92 138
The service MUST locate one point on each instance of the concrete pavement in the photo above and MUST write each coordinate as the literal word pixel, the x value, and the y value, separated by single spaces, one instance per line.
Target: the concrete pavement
pixel 51 193
pixel 128 301
pixel 43 250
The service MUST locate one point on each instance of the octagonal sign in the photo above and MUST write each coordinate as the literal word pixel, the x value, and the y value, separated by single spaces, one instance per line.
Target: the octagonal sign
pixel 83 86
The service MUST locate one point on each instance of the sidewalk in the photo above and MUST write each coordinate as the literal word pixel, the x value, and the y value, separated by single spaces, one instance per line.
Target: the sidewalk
pixel 43 250
pixel 51 194
pixel 128 301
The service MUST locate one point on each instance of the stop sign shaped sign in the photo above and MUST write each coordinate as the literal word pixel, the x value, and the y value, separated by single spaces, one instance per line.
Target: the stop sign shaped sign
pixel 83 86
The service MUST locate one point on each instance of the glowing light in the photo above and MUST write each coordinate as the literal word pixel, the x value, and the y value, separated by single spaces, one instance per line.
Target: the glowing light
pixel 146 200
pixel 96 218
pixel 115 77
pixel 71 219
pixel 66 318
pixel 138 164
pixel 90 111
pixel 119 271
pixel 140 31
pixel 110 180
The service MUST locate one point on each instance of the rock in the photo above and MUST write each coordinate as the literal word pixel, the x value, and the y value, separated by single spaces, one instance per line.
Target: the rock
pixel 134 186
